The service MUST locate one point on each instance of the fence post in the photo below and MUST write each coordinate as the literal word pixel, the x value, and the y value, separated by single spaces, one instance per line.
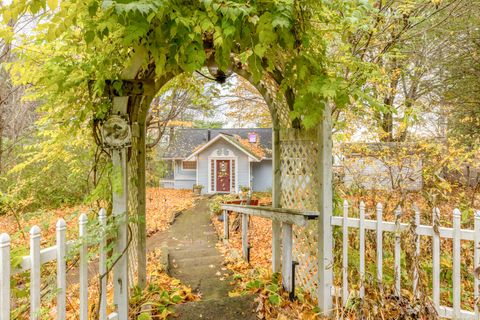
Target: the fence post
pixel 83 267
pixel 5 276
pixel 226 225
pixel 436 259
pixel 244 235
pixel 456 263
pixel 417 252
pixel 362 249
pixel 61 228
pixel 325 209
pixel 287 232
pixel 345 253
pixel 379 244
pixel 102 265
pixel 476 262
pixel 398 249
pixel 35 273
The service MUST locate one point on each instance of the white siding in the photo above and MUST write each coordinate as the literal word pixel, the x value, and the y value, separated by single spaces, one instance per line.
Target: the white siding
pixel 262 175
pixel 184 179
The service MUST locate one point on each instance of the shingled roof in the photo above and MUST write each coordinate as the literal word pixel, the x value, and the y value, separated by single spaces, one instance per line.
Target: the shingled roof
pixel 185 141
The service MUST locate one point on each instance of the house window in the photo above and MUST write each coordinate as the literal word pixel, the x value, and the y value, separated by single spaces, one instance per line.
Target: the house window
pixel 189 165
pixel 252 137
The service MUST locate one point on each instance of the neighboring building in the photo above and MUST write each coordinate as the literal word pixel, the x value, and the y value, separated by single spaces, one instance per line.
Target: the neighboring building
pixel 220 160
pixel 384 166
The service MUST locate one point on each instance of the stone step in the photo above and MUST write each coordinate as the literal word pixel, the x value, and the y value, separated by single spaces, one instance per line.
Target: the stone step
pixel 195 261
pixel 199 272
pixel 233 308
pixel 193 251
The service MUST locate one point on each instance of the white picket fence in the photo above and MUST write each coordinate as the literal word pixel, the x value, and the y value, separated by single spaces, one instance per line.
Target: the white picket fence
pixel 56 253
pixel 435 231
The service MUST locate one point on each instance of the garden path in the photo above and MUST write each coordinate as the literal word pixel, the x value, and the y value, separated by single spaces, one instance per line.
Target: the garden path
pixel 195 260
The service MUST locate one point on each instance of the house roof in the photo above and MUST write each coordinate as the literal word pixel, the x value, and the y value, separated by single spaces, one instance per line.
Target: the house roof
pixel 186 141
pixel 232 140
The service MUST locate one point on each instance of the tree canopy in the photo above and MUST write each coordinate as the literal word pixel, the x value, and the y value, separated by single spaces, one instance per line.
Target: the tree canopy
pixel 298 44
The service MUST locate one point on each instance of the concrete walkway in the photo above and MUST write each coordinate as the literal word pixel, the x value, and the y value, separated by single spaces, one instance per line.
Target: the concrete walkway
pixel 195 260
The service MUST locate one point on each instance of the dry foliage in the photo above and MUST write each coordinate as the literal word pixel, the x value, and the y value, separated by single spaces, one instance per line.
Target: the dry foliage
pixel 163 204
pixel 392 307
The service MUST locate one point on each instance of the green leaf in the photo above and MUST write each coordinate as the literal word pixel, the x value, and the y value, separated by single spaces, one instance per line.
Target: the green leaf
pixel 144 316
pixel 89 36
pixel 274 299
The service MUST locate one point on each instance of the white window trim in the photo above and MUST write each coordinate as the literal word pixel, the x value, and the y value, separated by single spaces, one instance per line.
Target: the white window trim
pixel 212 189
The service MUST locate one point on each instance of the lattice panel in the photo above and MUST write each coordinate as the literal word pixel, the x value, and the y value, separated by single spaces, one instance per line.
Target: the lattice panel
pixel 299 156
pixel 298 167
pixel 277 104
pixel 132 212
pixel 305 253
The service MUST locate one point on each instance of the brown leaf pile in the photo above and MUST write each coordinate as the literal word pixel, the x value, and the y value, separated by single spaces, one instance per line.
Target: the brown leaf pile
pixel 163 204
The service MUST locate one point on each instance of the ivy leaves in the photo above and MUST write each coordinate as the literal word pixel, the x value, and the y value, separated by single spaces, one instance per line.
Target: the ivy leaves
pixel 288 41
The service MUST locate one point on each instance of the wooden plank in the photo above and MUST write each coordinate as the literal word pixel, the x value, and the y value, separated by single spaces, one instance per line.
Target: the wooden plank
pixel 325 209
pixel 287 241
pixel 245 235
pixel 379 234
pixel 345 254
pixel 276 192
pixel 388 226
pixel 46 255
pixel 5 276
pixel 61 229
pixel 456 279
pixel 476 263
pixel 397 252
pixel 436 260
pixel 362 249
pixel 417 253
pixel 35 273
pixel 281 215
pixel 120 213
pixel 102 264
pixel 141 201
pixel 83 274
pixel 226 225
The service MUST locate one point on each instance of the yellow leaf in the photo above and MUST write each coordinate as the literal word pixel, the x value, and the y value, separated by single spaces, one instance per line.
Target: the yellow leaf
pixel 52 4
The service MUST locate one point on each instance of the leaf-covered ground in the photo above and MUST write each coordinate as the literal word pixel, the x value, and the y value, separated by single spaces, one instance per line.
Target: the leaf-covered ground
pixel 162 290
pixel 162 205
pixel 420 308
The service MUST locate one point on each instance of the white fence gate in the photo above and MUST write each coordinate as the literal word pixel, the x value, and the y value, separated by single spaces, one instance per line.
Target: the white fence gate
pixel 434 231
pixel 56 253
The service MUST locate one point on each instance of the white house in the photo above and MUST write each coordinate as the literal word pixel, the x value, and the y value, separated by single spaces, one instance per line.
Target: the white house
pixel 220 160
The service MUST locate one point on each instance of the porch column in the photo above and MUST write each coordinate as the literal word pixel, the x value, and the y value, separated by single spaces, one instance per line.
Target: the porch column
pixel 276 190
pixel 325 209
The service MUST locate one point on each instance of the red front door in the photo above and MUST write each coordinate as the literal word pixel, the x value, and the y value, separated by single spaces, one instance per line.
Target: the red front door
pixel 223 175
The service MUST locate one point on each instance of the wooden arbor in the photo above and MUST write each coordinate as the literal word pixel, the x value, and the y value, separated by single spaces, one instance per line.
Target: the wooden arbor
pixel 302 179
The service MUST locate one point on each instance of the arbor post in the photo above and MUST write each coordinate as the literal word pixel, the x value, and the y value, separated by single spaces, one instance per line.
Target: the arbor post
pixel 116 134
pixel 325 208
pixel 276 225
pixel 142 209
